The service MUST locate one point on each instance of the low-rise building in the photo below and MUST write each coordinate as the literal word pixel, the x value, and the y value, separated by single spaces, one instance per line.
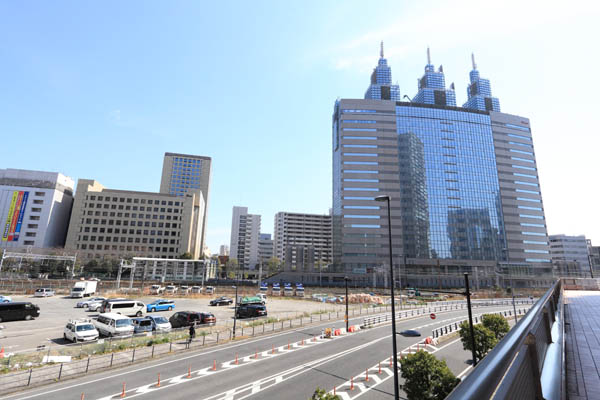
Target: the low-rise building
pixel 35 207
pixel 569 249
pixel 110 223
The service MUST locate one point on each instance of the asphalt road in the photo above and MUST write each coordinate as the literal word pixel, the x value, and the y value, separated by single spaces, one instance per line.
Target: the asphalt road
pixel 267 368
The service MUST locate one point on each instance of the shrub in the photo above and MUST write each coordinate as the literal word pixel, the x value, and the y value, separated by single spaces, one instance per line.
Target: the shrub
pixel 485 340
pixel 426 377
pixel 497 324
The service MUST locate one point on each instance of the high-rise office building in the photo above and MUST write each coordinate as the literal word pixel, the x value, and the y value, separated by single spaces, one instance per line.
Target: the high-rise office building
pixel 265 247
pixel 109 223
pixel 381 86
pixel 463 182
pixel 303 241
pixel 184 173
pixel 35 207
pixel 245 230
pixel 224 250
pixel 564 248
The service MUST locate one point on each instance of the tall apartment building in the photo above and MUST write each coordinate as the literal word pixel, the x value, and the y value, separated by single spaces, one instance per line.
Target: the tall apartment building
pixel 224 250
pixel 110 223
pixel 564 248
pixel 594 252
pixel 265 247
pixel 245 230
pixel 302 241
pixel 463 182
pixel 183 174
pixel 35 207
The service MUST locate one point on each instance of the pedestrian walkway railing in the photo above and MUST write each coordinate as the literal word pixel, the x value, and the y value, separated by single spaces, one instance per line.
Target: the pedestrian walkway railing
pixel 528 362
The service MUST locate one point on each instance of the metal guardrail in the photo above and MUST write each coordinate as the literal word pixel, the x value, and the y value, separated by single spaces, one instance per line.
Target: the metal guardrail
pixel 379 319
pixel 528 362
pixel 455 326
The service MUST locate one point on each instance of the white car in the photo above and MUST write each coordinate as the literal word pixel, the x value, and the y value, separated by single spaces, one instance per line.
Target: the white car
pixel 5 299
pixel 171 289
pixel 43 292
pixel 80 330
pixel 86 303
pixel 160 324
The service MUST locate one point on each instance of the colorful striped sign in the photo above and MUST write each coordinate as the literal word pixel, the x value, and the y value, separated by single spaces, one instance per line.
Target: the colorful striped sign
pixel 11 211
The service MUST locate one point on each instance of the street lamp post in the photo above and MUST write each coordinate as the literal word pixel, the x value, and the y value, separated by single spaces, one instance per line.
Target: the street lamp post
pixel 346 279
pixel 468 294
pixel 395 351
pixel 235 312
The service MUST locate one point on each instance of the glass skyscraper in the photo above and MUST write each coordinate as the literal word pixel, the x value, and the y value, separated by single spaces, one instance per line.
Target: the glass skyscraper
pixel 381 86
pixel 463 182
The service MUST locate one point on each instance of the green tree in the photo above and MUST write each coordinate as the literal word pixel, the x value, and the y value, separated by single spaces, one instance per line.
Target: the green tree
pixel 321 394
pixel 497 324
pixel 273 266
pixel 426 377
pixel 484 339
pixel 186 256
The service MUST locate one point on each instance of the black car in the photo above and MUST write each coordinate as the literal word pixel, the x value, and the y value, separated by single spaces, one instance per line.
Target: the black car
pixel 221 301
pixel 251 310
pixel 410 333
pixel 186 318
pixel 18 310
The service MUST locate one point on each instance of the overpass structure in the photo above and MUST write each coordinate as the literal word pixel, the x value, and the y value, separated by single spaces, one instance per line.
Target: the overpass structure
pixel 553 353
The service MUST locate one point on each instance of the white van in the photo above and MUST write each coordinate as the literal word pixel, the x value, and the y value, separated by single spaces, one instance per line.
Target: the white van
pixel 112 324
pixel 125 307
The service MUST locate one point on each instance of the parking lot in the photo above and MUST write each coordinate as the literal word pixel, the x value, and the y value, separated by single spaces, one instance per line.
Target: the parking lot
pixel 55 311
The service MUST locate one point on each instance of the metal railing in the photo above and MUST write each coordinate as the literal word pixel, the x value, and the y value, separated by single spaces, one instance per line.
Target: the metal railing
pixel 455 326
pixel 528 362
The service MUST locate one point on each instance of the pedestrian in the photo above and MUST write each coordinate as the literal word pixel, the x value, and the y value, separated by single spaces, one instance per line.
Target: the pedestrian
pixel 192 331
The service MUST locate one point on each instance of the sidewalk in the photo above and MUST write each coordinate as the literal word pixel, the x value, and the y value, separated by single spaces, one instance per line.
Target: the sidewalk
pixel 583 344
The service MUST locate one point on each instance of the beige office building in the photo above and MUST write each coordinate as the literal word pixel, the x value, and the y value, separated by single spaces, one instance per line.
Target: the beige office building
pixel 109 223
pixel 184 174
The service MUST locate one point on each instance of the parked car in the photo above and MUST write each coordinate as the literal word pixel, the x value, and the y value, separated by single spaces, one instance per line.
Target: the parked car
pixel 186 318
pixel 184 289
pixel 95 305
pixel 5 299
pixel 160 305
pixel 43 292
pixel 18 310
pixel 82 330
pixel 196 289
pixel 156 289
pixel 142 325
pixel 221 301
pixel 86 303
pixel 262 296
pixel 159 323
pixel 251 310
pixel 171 289
pixel 125 307
pixel 210 290
pixel 112 324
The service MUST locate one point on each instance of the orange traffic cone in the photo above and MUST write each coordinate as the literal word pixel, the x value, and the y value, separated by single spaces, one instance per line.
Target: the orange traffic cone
pixel 236 358
pixel 352 383
pixel 189 375
pixel 158 383
pixel 214 365
pixel 367 376
pixel 2 352
pixel 123 392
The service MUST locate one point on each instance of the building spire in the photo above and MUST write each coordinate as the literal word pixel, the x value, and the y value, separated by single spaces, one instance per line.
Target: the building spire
pixel 381 50
pixel 428 56
pixel 473 61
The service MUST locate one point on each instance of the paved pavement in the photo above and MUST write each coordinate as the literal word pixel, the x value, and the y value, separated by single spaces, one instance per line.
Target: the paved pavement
pixel 287 365
pixel 583 344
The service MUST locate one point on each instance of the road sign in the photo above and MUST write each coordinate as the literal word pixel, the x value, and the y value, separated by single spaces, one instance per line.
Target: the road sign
pixel 432 315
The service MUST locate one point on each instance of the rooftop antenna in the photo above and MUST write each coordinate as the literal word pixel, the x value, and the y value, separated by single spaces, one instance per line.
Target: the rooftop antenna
pixel 428 56
pixel 381 50
pixel 473 61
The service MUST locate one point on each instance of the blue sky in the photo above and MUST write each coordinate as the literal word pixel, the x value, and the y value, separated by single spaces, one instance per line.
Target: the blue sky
pixel 102 90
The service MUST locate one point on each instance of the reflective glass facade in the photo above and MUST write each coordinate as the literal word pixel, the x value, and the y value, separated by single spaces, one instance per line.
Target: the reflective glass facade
pixel 381 87
pixel 449 184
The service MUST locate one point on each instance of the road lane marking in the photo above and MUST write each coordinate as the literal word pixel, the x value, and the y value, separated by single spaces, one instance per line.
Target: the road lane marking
pixel 460 376
pixel 222 347
pixel 253 387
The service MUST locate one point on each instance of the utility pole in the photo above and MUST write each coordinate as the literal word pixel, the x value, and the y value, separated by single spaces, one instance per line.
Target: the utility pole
pixel 346 279
pixel 468 294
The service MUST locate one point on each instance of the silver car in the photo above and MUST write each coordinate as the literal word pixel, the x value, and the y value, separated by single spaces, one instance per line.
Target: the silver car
pixel 43 292
pixel 86 303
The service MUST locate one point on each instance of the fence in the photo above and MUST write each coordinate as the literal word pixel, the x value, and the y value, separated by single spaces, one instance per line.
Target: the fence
pixel 35 368
pixel 513 369
pixel 437 308
pixel 455 326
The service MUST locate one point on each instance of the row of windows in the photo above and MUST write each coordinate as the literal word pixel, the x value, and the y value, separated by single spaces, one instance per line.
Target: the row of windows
pixel 132 208
pixel 359 171
pixel 86 238
pixel 134 215
pixel 360 137
pixel 534 242
pixel 362 226
pixel 531 216
pixel 130 200
pixel 362 216
pixel 530 208
pixel 526 183
pixel 359 129
pixel 524 167
pixel 113 222
pixel 522 159
pixel 361 180
pixel 131 231
pixel 127 248
pixel 359 121
pixel 524 175
pixel 529 153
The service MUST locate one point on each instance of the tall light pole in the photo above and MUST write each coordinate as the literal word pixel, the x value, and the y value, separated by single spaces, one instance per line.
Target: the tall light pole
pixel 395 355
pixel 346 279
pixel 235 312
